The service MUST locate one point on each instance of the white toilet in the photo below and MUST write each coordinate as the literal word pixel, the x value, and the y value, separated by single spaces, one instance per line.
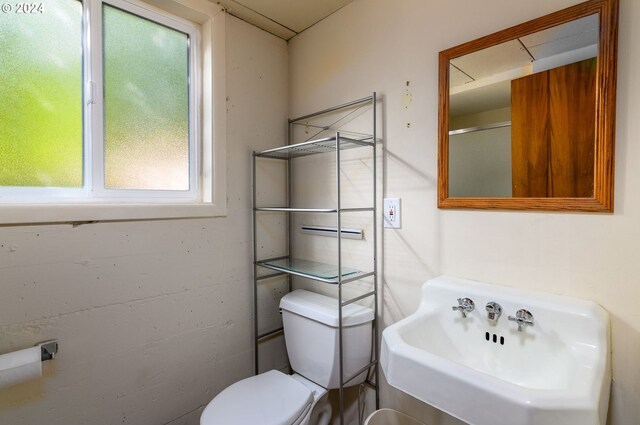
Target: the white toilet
pixel 310 323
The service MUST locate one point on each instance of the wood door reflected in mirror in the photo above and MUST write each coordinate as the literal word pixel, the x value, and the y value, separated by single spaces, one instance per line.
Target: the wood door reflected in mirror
pixel 527 114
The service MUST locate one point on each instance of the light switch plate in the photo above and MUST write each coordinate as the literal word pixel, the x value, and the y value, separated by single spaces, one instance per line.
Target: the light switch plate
pixel 392 216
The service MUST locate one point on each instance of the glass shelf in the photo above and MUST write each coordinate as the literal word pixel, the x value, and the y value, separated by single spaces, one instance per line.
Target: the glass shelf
pixel 313 147
pixel 313 270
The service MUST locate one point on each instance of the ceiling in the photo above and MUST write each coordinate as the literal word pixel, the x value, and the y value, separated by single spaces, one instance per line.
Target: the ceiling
pixel 282 18
pixel 481 80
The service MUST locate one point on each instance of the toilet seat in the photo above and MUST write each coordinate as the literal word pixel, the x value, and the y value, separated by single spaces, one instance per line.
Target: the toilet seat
pixel 271 398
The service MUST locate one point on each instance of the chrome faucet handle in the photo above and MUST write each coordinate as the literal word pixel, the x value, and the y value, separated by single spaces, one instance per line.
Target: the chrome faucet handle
pixel 465 306
pixel 494 311
pixel 523 318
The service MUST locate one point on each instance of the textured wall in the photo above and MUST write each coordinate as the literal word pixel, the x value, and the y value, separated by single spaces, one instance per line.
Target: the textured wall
pixel 377 45
pixel 153 317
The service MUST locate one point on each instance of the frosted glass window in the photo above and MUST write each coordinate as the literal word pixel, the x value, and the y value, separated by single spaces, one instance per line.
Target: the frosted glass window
pixel 41 96
pixel 102 113
pixel 146 101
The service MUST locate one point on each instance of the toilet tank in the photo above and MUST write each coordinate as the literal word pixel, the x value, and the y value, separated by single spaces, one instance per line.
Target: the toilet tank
pixel 310 323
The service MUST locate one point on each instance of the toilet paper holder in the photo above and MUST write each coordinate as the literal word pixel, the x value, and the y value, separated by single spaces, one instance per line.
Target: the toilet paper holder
pixel 25 365
pixel 48 349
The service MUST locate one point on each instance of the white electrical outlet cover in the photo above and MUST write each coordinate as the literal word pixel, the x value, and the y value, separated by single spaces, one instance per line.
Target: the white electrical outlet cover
pixel 391 213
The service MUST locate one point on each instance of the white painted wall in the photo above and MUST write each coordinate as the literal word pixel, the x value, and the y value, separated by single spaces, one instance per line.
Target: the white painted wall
pixel 377 45
pixel 153 317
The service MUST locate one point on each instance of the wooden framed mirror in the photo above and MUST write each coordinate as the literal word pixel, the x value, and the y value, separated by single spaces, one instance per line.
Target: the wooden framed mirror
pixel 527 114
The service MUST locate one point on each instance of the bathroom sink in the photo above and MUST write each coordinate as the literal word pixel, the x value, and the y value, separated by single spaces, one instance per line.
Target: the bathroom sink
pixel 556 371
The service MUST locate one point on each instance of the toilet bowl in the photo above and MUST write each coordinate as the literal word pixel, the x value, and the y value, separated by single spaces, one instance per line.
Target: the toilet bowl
pixel 271 398
pixel 311 333
pixel 320 412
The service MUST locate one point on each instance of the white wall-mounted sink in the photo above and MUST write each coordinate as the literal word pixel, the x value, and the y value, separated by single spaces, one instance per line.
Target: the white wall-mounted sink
pixel 556 372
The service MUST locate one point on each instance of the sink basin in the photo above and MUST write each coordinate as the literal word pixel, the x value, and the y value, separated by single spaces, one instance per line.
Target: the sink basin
pixel 556 372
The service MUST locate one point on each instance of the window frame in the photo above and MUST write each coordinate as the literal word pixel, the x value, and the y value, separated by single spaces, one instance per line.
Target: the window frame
pixel 208 92
pixel 94 66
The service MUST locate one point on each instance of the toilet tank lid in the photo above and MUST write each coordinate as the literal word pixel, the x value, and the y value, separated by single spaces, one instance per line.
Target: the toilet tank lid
pixel 324 309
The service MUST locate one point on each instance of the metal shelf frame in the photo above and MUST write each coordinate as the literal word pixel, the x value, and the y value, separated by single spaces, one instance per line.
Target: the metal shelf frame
pixel 327 145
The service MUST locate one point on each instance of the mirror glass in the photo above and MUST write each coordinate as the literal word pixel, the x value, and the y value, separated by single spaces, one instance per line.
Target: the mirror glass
pixel 527 114
pixel 522 115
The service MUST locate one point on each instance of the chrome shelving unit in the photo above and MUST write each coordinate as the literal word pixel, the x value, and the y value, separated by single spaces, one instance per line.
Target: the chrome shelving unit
pixel 336 274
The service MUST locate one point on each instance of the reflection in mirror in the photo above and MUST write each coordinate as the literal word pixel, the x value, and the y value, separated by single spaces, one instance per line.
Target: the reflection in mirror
pixel 522 115
pixel 526 116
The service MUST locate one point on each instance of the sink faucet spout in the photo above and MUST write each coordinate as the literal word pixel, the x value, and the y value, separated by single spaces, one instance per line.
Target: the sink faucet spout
pixel 494 311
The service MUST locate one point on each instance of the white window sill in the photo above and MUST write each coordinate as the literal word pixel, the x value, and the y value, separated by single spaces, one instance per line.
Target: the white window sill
pixel 44 213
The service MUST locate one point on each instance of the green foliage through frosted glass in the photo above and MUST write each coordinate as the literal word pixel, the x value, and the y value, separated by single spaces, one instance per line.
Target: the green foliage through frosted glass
pixel 41 96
